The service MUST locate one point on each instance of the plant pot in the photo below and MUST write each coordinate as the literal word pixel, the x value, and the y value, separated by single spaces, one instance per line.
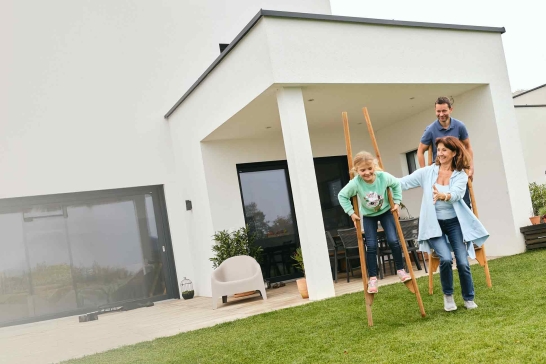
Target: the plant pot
pixel 302 287
pixel 187 295
pixel 535 220
pixel 243 294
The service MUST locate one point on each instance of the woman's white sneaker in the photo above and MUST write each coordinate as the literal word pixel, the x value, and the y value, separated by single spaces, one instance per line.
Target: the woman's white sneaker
pixel 470 305
pixel 449 303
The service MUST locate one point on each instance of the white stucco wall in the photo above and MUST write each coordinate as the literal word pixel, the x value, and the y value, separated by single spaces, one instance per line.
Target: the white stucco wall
pixel 532 130
pixel 84 91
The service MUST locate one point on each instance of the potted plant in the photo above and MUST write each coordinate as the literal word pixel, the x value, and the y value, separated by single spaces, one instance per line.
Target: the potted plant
pixel 302 282
pixel 538 200
pixel 234 243
pixel 542 213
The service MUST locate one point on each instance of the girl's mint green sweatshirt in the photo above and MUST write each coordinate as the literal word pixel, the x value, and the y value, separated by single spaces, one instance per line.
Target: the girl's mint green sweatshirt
pixel 373 196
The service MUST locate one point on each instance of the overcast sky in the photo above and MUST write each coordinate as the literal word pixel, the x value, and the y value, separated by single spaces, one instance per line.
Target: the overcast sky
pixel 524 41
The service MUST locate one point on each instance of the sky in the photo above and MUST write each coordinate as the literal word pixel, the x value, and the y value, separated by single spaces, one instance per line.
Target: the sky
pixel 524 41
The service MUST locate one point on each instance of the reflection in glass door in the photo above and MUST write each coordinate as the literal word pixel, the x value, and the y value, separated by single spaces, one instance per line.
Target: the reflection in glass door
pixel 82 252
pixel 15 296
pixel 115 254
pixel 52 283
pixel 269 212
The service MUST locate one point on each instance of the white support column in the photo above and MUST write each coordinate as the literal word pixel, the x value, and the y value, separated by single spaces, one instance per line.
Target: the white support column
pixel 305 193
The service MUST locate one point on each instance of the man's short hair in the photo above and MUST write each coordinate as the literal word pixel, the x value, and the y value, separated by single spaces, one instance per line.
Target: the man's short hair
pixel 442 100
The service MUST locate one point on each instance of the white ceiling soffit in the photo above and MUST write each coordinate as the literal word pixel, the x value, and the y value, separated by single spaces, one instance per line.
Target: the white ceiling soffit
pixel 386 103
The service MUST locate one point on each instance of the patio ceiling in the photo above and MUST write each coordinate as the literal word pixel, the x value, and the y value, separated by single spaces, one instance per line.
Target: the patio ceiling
pixel 386 103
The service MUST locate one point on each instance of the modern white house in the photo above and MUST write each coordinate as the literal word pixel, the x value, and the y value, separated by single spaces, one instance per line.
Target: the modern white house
pixel 127 139
pixel 531 116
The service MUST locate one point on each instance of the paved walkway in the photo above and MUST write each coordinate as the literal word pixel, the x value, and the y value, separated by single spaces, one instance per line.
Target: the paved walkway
pixel 62 339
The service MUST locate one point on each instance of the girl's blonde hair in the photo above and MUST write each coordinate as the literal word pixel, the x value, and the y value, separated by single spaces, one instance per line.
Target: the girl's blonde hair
pixel 365 157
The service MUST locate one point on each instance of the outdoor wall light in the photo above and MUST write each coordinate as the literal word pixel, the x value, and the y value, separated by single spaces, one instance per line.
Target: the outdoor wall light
pixel 188 205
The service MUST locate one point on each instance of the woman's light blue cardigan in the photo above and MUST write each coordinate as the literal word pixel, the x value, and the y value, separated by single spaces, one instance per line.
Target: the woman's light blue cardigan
pixel 472 228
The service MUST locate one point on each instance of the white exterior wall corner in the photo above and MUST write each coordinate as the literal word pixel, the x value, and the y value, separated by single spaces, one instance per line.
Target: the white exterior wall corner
pixel 510 148
pixel 241 76
pixel 305 193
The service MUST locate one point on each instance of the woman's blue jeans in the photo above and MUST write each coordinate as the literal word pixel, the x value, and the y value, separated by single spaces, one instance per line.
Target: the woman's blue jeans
pixel 452 229
pixel 370 232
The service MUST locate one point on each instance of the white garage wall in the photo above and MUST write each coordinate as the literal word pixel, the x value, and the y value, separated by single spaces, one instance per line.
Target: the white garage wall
pixel 532 129
pixel 85 85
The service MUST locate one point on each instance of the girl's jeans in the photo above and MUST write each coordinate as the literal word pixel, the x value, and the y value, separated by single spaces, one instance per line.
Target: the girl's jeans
pixel 370 232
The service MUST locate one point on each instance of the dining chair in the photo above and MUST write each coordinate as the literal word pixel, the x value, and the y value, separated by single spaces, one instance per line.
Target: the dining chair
pixel 333 253
pixel 350 244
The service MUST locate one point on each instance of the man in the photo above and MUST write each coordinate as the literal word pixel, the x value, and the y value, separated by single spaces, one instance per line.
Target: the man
pixel 445 125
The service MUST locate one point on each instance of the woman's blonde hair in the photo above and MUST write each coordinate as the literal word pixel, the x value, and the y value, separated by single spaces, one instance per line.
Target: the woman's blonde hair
pixel 364 157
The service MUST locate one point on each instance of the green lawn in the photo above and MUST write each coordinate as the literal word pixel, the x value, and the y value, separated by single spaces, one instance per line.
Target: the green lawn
pixel 509 326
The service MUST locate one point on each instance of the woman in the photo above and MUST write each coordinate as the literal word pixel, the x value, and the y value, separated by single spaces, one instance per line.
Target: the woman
pixel 446 223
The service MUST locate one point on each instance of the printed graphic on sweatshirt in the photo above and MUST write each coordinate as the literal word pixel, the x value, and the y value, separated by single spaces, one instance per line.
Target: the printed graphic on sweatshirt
pixel 374 201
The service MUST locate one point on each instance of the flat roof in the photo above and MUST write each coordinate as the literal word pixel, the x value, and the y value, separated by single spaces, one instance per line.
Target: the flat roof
pixel 334 18
pixel 531 90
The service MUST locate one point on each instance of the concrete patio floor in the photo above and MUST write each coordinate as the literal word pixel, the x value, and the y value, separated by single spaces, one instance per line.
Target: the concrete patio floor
pixel 65 338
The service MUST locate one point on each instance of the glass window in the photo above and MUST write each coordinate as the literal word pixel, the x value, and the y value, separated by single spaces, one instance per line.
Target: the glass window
pixel 413 162
pixel 332 175
pixel 270 215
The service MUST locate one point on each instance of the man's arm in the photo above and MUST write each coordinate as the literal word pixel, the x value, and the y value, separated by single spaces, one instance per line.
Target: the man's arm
pixel 468 148
pixel 421 154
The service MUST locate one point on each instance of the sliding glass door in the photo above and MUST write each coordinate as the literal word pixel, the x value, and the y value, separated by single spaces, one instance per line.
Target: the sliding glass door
pixel 70 253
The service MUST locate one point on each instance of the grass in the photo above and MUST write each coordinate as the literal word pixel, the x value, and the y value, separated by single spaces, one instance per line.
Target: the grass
pixel 509 327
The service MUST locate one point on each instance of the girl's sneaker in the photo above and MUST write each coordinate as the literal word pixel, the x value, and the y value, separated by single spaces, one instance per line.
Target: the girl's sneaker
pixel 403 275
pixel 372 286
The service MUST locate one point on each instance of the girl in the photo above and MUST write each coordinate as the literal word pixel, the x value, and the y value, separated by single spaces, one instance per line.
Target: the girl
pixel 371 187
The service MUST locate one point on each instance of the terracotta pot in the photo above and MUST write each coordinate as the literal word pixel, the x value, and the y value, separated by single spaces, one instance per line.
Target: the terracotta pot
pixel 243 294
pixel 535 220
pixel 302 287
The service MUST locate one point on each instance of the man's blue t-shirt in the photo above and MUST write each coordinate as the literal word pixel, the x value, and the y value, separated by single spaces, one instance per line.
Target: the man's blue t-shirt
pixel 436 130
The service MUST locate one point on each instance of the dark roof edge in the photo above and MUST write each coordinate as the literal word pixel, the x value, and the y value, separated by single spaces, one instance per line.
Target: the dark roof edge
pixel 531 90
pixel 350 19
pixel 216 62
pixel 337 18
pixel 529 105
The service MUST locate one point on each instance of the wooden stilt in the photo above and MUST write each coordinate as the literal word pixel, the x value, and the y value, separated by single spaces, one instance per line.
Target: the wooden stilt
pixel 413 282
pixel 480 251
pixel 433 259
pixel 367 296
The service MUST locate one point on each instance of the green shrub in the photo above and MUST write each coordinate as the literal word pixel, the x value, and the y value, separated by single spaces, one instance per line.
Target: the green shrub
pixel 238 242
pixel 538 196
pixel 298 257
